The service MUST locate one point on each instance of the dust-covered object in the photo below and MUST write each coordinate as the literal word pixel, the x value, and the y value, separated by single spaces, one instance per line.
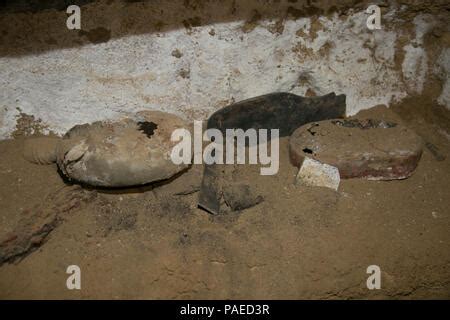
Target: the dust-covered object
pixel 375 149
pixel 316 174
pixel 133 151
pixel 129 152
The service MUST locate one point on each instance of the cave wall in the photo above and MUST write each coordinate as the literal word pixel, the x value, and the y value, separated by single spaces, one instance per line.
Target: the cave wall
pixel 194 57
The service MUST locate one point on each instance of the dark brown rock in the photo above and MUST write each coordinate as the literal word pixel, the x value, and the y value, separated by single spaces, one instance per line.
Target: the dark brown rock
pixel 376 148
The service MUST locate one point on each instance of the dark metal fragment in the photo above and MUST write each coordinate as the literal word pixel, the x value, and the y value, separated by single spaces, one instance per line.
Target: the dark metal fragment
pixel 283 111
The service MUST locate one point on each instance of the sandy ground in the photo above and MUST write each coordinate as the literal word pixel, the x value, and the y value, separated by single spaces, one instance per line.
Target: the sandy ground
pixel 300 242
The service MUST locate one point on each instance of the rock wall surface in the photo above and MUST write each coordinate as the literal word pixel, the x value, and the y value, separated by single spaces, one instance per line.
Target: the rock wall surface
pixel 194 57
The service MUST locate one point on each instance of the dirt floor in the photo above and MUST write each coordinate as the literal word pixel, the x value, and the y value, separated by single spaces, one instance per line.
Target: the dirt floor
pixel 300 242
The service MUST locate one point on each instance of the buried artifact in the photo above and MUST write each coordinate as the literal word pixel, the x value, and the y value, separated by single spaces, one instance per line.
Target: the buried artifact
pixel 283 111
pixel 129 152
pixel 374 149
